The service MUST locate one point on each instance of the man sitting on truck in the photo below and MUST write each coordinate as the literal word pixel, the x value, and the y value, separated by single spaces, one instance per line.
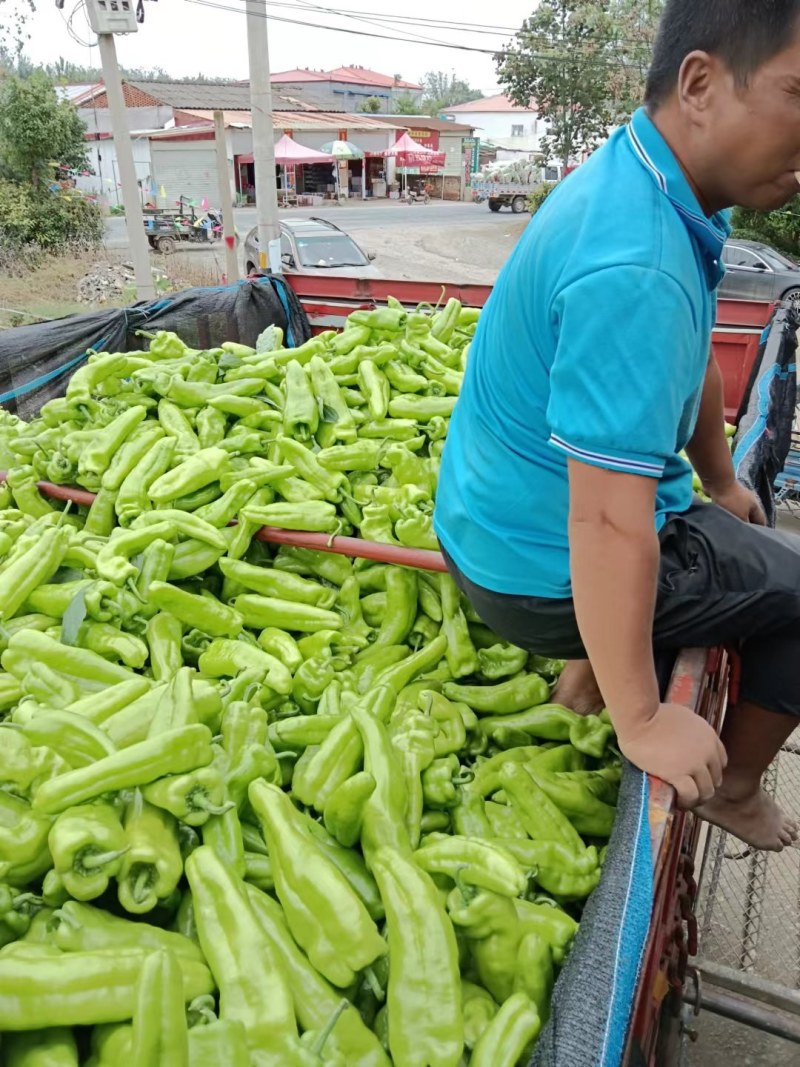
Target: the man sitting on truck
pixel 564 509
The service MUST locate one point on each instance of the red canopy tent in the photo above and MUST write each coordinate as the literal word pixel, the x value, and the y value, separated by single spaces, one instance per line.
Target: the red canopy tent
pixel 289 153
pixel 407 152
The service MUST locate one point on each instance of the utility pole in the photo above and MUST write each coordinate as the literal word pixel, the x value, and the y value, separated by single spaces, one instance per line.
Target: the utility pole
pixel 269 234
pixel 224 182
pixel 107 20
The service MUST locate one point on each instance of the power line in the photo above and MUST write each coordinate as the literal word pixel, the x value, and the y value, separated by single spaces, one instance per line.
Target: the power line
pixel 606 58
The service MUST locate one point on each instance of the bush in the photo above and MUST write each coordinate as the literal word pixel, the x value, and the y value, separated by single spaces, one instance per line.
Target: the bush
pixel 35 222
pixel 539 195
pixel 780 229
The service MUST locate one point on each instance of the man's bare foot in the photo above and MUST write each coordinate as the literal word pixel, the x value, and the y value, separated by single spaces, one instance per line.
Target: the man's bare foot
pixel 577 689
pixel 754 818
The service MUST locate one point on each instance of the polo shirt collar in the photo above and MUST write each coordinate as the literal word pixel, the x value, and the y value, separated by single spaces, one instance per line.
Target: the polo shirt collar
pixel 658 158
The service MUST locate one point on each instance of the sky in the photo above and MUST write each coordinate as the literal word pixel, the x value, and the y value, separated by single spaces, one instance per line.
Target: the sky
pixel 188 36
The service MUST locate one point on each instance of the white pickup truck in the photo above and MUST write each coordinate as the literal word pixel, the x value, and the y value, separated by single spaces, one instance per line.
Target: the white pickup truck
pixel 503 194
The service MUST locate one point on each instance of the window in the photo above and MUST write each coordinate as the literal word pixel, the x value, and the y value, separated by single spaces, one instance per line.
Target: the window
pixel 333 251
pixel 517 131
pixel 740 257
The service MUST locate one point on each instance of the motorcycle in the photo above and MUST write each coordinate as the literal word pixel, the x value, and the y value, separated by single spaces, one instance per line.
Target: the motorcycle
pixel 417 195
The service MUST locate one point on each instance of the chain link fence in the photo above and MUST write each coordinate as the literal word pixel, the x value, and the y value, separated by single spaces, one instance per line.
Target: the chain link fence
pixel 748 910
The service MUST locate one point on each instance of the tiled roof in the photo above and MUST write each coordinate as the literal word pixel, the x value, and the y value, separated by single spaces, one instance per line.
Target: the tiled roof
pixel 499 103
pixel 299 120
pixel 425 122
pixel 349 75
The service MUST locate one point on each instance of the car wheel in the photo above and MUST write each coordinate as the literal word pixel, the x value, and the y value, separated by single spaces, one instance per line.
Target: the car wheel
pixel 518 205
pixel 166 245
pixel 494 205
pixel 792 298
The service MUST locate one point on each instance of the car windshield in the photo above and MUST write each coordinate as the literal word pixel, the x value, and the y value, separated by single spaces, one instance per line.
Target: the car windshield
pixel 329 251
pixel 777 260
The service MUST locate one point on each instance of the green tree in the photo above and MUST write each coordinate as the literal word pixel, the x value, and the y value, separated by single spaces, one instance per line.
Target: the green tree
pixel 371 105
pixel 406 105
pixel 780 228
pixel 581 64
pixel 442 90
pixel 38 132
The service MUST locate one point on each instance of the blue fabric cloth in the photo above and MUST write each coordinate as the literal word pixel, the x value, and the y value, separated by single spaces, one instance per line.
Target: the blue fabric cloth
pixel 594 344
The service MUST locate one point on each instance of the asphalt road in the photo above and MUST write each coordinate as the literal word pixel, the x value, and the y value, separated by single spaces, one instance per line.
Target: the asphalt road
pixel 354 217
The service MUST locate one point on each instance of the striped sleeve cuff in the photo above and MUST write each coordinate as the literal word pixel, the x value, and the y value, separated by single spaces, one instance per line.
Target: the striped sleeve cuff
pixel 627 463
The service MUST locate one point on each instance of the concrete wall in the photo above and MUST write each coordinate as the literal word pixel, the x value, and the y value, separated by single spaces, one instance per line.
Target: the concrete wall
pixel 104 182
pixel 489 124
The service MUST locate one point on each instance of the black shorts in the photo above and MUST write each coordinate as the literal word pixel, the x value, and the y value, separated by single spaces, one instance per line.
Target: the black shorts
pixel 721 582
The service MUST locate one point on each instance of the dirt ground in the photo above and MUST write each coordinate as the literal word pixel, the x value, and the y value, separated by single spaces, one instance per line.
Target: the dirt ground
pixel 473 253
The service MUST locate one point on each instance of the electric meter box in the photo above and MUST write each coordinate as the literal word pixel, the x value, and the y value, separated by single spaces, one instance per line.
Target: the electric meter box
pixel 112 16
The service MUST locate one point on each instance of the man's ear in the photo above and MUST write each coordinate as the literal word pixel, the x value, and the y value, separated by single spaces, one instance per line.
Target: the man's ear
pixel 699 82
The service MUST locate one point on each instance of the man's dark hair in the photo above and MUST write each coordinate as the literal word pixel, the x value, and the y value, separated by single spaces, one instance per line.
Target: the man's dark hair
pixel 743 33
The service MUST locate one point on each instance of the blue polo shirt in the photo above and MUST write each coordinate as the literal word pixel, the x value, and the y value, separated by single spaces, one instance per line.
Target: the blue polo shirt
pixel 594 345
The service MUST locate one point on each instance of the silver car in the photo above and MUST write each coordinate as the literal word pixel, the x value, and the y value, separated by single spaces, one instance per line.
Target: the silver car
pixel 311 246
pixel 754 271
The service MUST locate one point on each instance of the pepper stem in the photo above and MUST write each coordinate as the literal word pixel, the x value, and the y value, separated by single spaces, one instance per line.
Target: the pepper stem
pixel 141 884
pixel 374 985
pixel 201 1011
pixel 64 514
pixel 94 861
pixel 327 1029
pixel 467 891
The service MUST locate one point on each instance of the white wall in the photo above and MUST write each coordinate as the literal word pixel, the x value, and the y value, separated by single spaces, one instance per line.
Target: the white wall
pixel 103 161
pixel 489 124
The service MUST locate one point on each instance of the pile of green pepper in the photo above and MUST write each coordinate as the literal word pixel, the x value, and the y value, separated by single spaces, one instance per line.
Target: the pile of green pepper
pixel 267 807
pixel 343 433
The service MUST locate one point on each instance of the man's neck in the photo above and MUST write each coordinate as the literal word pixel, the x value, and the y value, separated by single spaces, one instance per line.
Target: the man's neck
pixel 669 127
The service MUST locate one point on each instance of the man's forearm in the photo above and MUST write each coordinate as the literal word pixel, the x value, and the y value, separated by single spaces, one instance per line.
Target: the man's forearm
pixel 708 450
pixel 614 576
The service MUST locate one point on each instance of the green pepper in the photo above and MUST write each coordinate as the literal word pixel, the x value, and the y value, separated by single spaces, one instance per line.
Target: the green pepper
pixel 375 387
pixel 97 455
pixel 22 482
pixel 174 752
pixel 274 583
pixel 191 797
pixel 475 860
pixel 88 844
pixel 223 1042
pixel 513 1029
pixel 413 737
pixel 479 1008
pixel 204 613
pixel 16 913
pixel 313 515
pixel 421 408
pixel 324 914
pixel 27 647
pixel 152 864
pixel 300 412
pixel 52 1047
pixel 551 923
pixel 424 992
pixel 384 811
pixel 330 567
pixel 188 394
pixel 176 425
pixel 186 525
pixel 113 644
pixel 401 606
pixel 344 810
pixel 165 345
pixel 97 707
pixel 337 422
pixel 501 661
pixel 259 612
pixel 164 633
pixel 489 921
pixel 82 989
pixel 160 1034
pixel 226 658
pixel 73 737
pixel 350 863
pixel 538 814
pixel 534 972
pixel 24 855
pixel 376 525
pixel 314 998
pixel 336 760
pixel 516 694
pixel 196 472
pixel 462 659
pixel 415 530
pixel 211 425
pixel 590 817
pixel 281 645
pixel 32 568
pixel 80 927
pixel 399 675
